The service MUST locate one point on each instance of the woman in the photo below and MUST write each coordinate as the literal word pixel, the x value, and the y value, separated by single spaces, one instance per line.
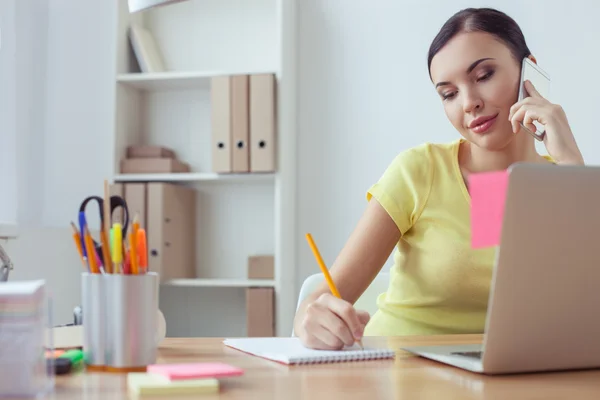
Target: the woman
pixel 438 283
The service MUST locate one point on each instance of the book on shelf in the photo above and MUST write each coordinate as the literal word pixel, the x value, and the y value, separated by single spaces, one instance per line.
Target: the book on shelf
pixel 146 50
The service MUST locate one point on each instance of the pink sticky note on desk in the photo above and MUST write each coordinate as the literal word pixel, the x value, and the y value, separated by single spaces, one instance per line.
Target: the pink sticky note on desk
pixel 194 370
pixel 488 195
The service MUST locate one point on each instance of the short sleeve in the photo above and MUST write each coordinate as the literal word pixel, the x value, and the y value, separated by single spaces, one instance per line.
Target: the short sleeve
pixel 405 185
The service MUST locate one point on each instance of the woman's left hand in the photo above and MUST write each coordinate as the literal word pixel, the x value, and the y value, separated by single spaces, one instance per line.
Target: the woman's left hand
pixel 559 139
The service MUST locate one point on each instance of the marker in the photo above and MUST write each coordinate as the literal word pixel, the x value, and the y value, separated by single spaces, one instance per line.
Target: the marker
pixel 65 361
pixel 75 356
pixel 117 250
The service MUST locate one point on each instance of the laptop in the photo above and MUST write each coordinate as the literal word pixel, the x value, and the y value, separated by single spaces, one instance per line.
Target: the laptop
pixel 544 305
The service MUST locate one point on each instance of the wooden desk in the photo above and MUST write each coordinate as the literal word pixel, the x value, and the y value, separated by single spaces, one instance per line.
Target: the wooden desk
pixel 406 377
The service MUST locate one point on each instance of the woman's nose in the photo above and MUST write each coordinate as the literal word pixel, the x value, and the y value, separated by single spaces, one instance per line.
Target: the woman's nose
pixel 472 101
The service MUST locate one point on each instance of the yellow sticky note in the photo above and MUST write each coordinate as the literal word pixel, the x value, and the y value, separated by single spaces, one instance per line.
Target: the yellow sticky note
pixel 145 384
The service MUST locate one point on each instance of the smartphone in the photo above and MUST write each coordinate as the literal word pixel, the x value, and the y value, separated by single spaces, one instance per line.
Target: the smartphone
pixel 541 81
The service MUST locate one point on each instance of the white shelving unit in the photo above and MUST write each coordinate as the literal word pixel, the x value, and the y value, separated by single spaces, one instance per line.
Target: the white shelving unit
pixel 194 177
pixel 238 215
pixel 175 80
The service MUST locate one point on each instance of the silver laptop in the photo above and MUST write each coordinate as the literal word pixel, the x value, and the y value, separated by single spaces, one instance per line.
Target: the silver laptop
pixel 544 305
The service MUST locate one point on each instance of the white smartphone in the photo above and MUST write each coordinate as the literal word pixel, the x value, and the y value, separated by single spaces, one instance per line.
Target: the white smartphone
pixel 541 81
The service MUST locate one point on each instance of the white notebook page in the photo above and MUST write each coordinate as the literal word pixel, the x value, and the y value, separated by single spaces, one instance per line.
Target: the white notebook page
pixel 291 351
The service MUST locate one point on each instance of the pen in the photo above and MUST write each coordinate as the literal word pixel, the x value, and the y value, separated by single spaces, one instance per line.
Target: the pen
pixel 82 225
pixel 126 260
pixel 330 283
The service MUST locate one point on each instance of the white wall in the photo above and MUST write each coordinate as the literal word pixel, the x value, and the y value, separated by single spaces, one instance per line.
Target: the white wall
pixel 64 78
pixel 8 128
pixel 365 95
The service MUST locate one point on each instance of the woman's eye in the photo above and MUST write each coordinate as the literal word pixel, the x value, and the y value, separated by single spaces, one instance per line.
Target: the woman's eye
pixel 485 76
pixel 447 96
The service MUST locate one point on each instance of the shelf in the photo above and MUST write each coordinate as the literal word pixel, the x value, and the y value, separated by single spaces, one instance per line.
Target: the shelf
pixel 195 177
pixel 175 80
pixel 241 283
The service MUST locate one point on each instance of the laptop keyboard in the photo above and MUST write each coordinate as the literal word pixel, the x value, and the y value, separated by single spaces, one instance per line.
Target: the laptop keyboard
pixel 472 354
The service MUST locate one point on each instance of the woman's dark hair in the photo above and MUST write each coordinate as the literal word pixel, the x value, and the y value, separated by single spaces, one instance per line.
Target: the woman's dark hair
pixel 486 20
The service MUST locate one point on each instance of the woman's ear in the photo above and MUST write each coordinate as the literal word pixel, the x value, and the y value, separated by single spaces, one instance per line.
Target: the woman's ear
pixel 532 58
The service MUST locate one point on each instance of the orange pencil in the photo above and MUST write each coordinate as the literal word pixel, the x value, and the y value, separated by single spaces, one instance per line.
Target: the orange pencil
pixel 330 283
pixel 105 248
pixel 133 245
pixel 77 239
pixel 105 230
pixel 142 251
pixel 136 223
pixel 91 251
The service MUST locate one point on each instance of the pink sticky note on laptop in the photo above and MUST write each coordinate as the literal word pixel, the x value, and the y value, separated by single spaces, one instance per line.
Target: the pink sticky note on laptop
pixel 194 370
pixel 488 195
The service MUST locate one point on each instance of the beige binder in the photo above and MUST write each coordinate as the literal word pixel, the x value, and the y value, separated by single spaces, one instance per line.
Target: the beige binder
pixel 240 123
pixel 220 110
pixel 171 219
pixel 135 196
pixel 260 312
pixel 262 122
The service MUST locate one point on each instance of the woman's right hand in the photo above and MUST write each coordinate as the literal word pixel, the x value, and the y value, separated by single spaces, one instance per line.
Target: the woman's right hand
pixel 330 323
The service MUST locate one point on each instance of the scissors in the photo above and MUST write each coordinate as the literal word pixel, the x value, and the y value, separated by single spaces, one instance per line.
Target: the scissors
pixel 6 265
pixel 115 203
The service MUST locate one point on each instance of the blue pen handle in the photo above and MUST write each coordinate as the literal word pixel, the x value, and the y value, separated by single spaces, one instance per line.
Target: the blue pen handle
pixel 82 224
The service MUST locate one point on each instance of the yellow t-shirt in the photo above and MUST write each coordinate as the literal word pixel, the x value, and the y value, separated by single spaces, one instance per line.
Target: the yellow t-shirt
pixel 438 283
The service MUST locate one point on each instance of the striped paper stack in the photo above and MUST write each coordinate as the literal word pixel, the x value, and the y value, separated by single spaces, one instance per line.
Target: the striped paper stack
pixel 23 327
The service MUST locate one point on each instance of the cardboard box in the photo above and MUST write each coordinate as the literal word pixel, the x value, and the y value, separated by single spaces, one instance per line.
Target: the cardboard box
pixel 148 151
pixel 260 312
pixel 153 166
pixel 261 267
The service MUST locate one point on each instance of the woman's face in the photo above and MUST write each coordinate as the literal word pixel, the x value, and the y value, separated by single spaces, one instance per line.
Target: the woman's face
pixel 477 79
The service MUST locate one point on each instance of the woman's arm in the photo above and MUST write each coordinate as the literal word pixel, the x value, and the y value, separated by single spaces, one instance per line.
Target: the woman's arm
pixel 326 322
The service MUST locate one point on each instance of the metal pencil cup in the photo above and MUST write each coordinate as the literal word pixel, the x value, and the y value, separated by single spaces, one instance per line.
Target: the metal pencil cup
pixel 93 304
pixel 132 306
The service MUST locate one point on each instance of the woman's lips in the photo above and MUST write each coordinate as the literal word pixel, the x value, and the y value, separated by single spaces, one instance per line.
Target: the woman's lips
pixel 485 126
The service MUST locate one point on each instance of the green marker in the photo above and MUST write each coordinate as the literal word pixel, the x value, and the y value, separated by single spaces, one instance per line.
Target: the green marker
pixel 74 356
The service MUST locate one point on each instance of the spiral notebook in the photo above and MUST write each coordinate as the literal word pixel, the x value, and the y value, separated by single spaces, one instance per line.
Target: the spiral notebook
pixel 291 351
